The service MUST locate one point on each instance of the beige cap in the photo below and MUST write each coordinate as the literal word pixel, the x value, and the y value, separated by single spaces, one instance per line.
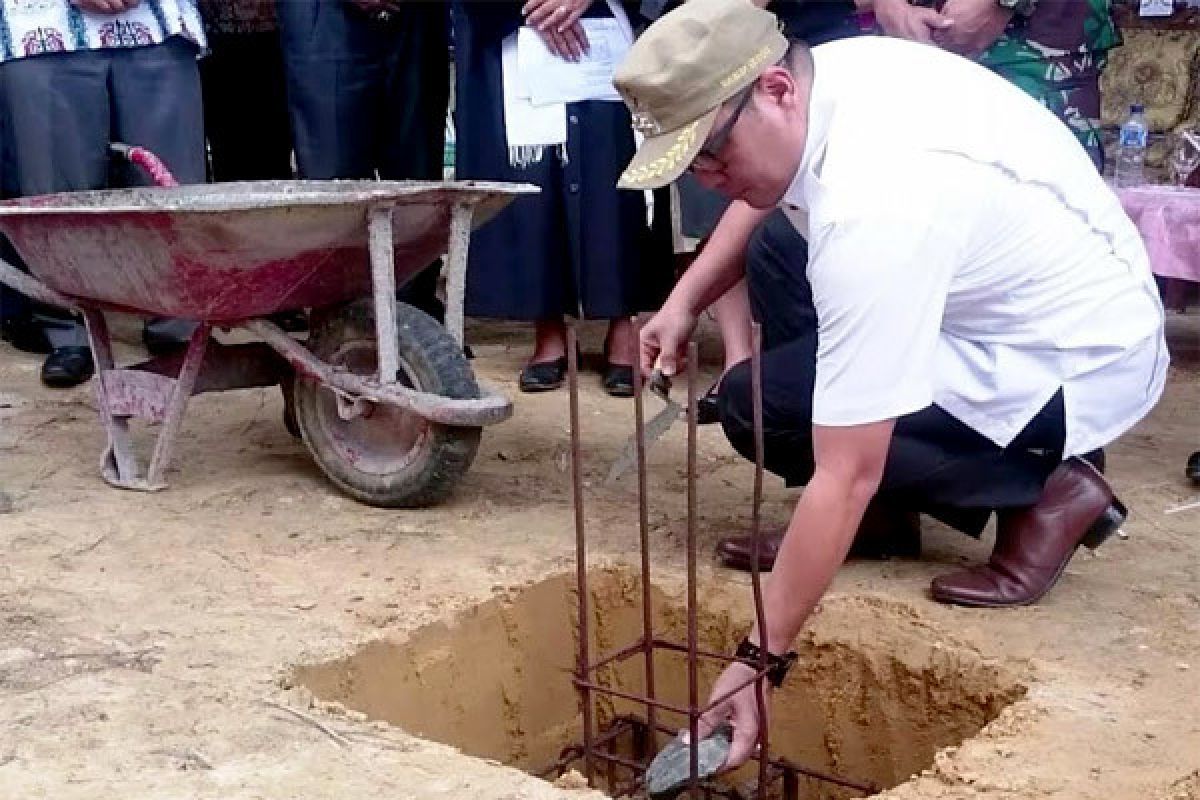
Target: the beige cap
pixel 680 71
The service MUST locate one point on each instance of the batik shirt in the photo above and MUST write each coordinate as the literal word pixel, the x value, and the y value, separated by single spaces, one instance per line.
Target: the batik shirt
pixel 238 16
pixel 34 27
pixel 1056 56
pixel 1057 31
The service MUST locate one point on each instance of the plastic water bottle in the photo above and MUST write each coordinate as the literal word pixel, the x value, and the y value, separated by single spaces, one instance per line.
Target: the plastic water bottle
pixel 1131 149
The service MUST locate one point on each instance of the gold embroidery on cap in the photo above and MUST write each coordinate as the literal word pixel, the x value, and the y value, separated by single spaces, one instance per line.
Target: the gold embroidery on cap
pixel 739 74
pixel 667 161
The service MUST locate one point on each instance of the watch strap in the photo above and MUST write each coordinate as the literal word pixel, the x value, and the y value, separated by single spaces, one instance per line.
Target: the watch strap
pixel 777 666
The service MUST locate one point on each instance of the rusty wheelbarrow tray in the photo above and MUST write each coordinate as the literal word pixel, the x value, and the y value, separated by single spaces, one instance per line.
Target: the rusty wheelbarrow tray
pixel 384 399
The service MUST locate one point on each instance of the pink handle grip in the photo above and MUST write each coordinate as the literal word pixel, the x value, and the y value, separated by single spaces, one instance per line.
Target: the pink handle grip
pixel 151 164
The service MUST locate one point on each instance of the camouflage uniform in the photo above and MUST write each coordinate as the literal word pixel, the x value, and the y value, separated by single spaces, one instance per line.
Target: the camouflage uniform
pixel 1057 55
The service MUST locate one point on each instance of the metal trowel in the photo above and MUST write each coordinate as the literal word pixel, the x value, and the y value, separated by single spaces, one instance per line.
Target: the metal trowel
pixel 660 385
pixel 670 771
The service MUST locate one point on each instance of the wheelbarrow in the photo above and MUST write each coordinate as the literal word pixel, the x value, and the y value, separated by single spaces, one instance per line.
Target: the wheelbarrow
pixel 381 393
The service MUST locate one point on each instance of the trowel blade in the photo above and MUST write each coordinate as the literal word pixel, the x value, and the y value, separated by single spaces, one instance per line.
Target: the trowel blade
pixel 670 771
pixel 659 424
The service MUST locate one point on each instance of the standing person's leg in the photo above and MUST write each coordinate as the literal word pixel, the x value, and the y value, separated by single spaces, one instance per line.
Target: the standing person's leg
pixel 333 64
pixel 157 104
pixel 245 107
pixel 56 130
pixel 622 262
pixel 699 212
pixel 520 262
pixel 413 130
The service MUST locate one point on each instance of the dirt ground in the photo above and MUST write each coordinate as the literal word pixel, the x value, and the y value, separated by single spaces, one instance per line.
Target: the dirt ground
pixel 148 643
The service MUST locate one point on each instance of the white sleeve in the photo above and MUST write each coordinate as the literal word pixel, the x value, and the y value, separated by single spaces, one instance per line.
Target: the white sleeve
pixel 880 280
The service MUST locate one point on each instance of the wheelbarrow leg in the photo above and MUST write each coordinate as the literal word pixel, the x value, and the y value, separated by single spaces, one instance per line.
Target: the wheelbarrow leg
pixel 383 281
pixel 184 384
pixel 119 464
pixel 456 268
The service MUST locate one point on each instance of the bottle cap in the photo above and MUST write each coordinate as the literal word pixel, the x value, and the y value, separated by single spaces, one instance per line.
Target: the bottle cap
pixel 1137 108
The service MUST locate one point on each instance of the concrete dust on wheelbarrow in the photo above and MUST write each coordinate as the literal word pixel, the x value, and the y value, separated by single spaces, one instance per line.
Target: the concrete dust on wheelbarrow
pixel 147 640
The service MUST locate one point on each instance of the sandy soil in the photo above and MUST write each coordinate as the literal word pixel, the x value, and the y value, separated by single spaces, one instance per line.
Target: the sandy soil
pixel 149 643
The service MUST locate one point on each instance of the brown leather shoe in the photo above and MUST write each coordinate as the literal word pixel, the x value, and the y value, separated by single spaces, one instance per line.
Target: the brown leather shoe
pixel 883 534
pixel 1033 545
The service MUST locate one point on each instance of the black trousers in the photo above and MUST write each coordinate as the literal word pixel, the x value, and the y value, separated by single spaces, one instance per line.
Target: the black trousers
pixel 369 98
pixel 935 465
pixel 245 108
pixel 58 114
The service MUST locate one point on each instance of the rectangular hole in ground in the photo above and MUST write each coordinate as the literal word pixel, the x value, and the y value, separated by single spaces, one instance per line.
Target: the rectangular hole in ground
pixel 875 693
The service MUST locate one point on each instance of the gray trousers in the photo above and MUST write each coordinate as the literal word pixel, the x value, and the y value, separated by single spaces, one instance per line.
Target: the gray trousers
pixel 59 113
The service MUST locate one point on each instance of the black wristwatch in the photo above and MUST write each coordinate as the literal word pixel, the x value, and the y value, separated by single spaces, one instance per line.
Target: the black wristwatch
pixel 777 666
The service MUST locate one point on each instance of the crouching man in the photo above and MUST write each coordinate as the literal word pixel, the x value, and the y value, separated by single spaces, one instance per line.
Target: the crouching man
pixel 983 310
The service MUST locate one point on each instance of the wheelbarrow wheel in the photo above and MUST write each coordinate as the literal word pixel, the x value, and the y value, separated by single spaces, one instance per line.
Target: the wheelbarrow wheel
pixel 387 456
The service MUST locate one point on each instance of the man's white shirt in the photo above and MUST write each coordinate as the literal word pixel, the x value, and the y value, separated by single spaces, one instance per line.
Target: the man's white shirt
pixel 964 251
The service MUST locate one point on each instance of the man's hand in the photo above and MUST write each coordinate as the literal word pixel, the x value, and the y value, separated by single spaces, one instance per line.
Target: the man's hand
pixel 664 339
pixel 569 45
pixel 904 21
pixel 977 25
pixel 740 711
pixel 105 6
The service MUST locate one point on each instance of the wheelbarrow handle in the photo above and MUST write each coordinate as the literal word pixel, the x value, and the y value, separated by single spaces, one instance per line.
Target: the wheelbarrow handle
pixel 151 164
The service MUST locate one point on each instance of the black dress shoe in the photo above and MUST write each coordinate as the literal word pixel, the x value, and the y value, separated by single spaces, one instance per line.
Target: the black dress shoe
pixel 25 335
pixel 159 344
pixel 1193 468
pixel 67 367
pixel 618 380
pixel 544 376
pixel 707 410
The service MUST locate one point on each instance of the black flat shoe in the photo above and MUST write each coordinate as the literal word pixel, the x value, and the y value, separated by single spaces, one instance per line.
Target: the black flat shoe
pixel 25 335
pixel 543 377
pixel 67 367
pixel 707 410
pixel 618 380
pixel 1193 468
pixel 160 344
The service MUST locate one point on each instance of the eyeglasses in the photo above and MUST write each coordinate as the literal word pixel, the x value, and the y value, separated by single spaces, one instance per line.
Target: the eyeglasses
pixel 707 157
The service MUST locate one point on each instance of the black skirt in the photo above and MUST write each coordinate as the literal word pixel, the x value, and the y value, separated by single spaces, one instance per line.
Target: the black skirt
pixel 581 247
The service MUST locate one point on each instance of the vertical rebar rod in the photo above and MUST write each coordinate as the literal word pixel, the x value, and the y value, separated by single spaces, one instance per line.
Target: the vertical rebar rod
pixel 581 578
pixel 639 416
pixel 693 688
pixel 755 545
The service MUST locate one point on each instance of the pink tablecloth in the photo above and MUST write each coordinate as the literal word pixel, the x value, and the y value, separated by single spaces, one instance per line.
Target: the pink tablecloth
pixel 1169 220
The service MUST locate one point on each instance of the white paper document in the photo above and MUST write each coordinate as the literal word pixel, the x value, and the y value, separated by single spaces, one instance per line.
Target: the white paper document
pixel 1155 8
pixel 552 80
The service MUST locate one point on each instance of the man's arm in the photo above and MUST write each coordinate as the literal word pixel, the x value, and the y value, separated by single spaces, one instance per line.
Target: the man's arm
pixel 718 267
pixel 849 465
